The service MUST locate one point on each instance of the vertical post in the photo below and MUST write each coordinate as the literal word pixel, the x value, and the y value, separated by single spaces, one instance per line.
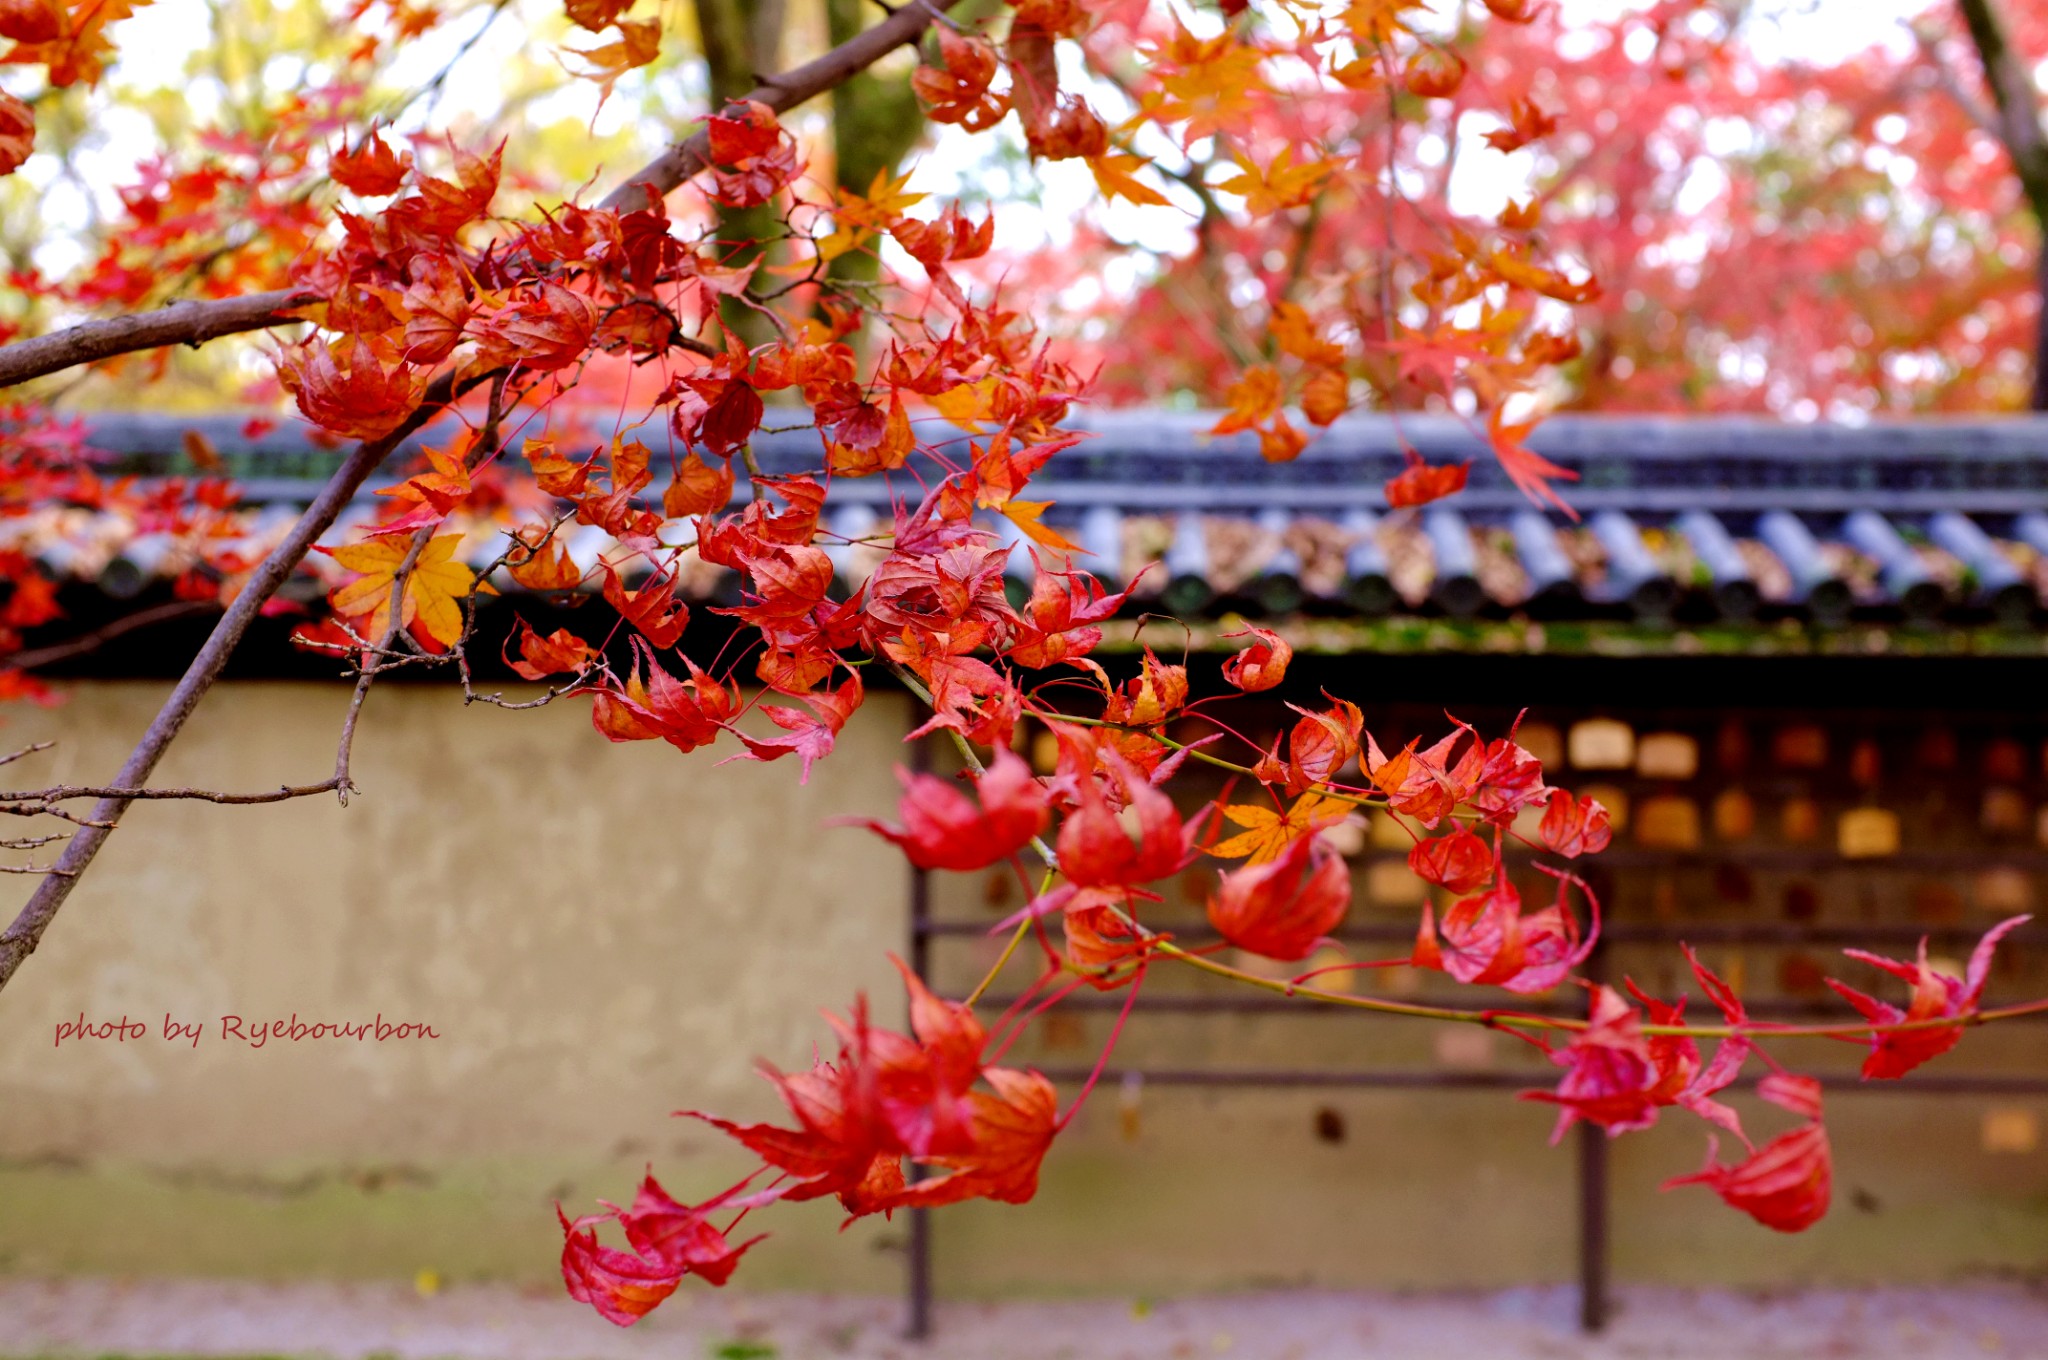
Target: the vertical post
pixel 1592 1227
pixel 1593 1197
pixel 918 1325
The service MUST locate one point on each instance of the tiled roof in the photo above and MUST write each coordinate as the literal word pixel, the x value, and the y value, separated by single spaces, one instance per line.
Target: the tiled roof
pixel 1696 520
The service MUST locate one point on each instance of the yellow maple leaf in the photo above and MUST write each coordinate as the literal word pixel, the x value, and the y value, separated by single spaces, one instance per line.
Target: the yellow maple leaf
pixel 856 218
pixel 1279 185
pixel 968 404
pixel 1268 832
pixel 1207 83
pixel 1375 22
pixel 884 201
pixel 1113 171
pixel 1025 515
pixel 638 44
pixel 433 592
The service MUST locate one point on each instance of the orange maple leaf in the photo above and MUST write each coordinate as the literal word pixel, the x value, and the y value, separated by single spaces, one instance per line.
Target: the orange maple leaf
pixel 1253 399
pixel 1269 832
pixel 1277 185
pixel 432 600
pixel 1527 469
pixel 1025 515
pixel 1113 171
pixel 638 44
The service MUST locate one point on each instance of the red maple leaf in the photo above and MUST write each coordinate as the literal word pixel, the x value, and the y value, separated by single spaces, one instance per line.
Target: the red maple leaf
pixel 372 169
pixel 1459 862
pixel 686 714
pixel 1486 941
pixel 1260 666
pixel 1785 1184
pixel 1011 1130
pixel 669 1241
pixel 1285 907
pixel 1528 470
pixel 1574 826
pixel 812 734
pixel 945 829
pixel 1935 996
pixel 1097 851
pixel 1426 482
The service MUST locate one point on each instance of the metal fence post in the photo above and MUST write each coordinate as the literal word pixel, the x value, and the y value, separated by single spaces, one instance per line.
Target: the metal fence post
pixel 1593 1194
pixel 1592 1227
pixel 918 1281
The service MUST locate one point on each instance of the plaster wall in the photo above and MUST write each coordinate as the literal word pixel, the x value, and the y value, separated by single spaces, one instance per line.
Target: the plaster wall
pixel 600 935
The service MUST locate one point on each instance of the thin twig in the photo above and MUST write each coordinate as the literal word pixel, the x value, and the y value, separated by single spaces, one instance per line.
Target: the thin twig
pixel 26 803
pixel 373 663
pixel 64 651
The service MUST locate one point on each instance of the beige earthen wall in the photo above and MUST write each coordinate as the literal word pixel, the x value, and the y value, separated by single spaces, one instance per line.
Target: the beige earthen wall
pixel 600 935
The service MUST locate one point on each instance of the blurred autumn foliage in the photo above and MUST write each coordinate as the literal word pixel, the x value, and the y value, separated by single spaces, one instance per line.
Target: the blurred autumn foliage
pixel 1853 232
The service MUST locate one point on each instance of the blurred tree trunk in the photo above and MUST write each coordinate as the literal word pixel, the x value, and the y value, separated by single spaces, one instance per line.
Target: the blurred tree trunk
pixel 875 122
pixel 742 39
pixel 2018 124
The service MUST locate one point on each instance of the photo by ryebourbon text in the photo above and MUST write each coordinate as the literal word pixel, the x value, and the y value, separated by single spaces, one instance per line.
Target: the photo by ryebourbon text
pixel 236 1029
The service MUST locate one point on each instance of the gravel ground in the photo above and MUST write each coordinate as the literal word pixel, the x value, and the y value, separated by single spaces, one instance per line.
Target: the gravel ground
pixel 349 1322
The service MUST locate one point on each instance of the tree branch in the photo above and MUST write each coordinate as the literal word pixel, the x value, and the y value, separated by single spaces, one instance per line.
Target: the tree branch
pixel 33 657
pixel 784 92
pixel 2017 103
pixel 2026 142
pixel 29 802
pixel 194 323
pixel 181 323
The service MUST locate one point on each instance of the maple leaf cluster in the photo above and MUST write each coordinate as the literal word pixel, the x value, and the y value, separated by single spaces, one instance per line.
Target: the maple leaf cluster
pixel 1604 120
pixel 931 1096
pixel 1291 119
pixel 1102 824
pixel 225 216
pixel 433 283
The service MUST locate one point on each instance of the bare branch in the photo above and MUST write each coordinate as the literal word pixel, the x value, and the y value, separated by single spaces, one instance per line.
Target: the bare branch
pixel 181 323
pixel 99 637
pixel 2017 103
pixel 29 802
